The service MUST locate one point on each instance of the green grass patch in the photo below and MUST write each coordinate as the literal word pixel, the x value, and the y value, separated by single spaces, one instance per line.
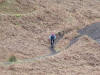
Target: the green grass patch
pixel 12 59
pixel 18 15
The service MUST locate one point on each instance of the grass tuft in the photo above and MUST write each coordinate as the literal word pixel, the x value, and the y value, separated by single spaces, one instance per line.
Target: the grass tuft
pixel 12 59
pixel 18 15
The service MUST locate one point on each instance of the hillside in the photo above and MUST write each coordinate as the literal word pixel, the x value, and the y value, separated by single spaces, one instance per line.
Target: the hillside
pixel 25 26
pixel 82 58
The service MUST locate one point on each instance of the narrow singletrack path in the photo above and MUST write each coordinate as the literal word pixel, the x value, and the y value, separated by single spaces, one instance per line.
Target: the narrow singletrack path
pixel 53 52
pixel 92 31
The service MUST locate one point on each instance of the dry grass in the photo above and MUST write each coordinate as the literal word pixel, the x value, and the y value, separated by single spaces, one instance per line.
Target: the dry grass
pixel 27 36
pixel 81 58
pixel 17 6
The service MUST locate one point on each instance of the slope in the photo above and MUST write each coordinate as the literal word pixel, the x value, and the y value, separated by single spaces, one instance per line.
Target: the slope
pixel 80 59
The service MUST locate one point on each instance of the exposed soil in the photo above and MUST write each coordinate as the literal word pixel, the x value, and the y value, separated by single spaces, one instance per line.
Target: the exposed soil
pixel 92 31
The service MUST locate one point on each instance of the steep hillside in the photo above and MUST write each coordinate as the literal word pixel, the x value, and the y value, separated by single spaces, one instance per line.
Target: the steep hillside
pixel 17 6
pixel 80 59
pixel 26 35
pixel 25 26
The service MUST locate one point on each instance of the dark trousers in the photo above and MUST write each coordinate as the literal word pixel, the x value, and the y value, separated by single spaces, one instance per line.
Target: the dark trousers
pixel 52 42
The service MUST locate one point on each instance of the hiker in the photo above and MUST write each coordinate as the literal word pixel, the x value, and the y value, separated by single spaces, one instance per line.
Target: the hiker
pixel 52 38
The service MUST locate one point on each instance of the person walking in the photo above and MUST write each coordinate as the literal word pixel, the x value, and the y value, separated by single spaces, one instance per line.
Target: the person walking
pixel 52 38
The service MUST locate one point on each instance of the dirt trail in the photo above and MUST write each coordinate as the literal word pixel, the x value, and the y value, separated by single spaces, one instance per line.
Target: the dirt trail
pixel 92 31
pixel 53 52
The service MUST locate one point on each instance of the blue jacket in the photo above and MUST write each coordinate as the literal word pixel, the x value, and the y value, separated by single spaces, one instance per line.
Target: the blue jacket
pixel 52 37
